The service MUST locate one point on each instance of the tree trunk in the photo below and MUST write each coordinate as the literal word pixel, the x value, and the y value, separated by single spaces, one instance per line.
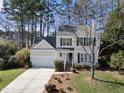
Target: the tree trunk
pixel 28 34
pixel 22 27
pixel 48 28
pixel 93 72
pixel 69 22
pixel 44 29
pixel 48 25
pixel 32 31
pixel 35 27
pixel 41 24
pixel 93 62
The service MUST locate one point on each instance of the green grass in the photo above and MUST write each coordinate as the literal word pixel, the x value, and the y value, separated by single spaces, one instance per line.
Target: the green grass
pixel 7 76
pixel 107 82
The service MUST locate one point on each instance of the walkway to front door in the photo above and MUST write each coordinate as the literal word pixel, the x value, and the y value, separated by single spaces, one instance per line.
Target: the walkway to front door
pixel 31 81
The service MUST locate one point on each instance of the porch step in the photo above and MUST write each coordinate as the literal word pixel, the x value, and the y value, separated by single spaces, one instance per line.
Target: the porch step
pixel 68 67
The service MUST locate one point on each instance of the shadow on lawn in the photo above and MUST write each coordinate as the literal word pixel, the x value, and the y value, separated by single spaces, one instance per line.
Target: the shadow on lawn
pixel 110 82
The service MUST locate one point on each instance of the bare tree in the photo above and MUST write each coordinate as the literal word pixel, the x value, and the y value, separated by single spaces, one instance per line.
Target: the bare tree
pixel 98 12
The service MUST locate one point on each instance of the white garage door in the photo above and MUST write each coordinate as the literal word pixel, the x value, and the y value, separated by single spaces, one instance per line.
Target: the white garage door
pixel 43 61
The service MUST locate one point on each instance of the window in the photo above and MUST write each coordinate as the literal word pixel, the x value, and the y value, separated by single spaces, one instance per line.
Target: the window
pixel 65 41
pixel 85 57
pixel 86 41
pixel 60 54
pixel 80 57
pixel 80 41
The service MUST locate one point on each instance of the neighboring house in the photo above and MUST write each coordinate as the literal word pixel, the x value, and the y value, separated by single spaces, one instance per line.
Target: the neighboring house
pixel 65 46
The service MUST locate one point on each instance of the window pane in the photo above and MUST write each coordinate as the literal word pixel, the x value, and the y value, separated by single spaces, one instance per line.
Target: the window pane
pixel 66 41
pixel 85 57
pixel 86 41
pixel 80 41
pixel 70 41
pixel 81 57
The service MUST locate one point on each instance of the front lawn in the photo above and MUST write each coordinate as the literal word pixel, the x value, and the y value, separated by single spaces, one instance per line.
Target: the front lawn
pixel 8 75
pixel 106 82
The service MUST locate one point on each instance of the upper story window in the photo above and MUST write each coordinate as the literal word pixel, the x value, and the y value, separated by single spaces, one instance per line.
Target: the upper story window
pixel 86 41
pixel 65 41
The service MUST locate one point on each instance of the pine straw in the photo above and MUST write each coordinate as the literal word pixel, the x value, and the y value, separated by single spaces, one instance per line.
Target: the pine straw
pixel 64 82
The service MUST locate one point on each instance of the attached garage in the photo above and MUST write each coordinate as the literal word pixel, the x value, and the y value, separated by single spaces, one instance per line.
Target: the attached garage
pixel 43 61
pixel 43 54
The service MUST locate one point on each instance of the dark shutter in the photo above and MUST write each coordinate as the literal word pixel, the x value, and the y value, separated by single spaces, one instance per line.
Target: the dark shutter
pixel 94 41
pixel 70 41
pixel 60 41
pixel 78 57
pixel 84 41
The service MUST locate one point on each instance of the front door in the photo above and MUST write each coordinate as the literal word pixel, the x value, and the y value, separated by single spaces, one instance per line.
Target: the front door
pixel 70 57
pixel 69 61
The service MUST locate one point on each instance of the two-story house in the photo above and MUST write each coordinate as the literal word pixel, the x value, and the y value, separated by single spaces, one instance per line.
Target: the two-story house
pixel 72 45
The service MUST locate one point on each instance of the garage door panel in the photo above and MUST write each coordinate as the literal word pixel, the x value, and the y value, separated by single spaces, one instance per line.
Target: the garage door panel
pixel 43 61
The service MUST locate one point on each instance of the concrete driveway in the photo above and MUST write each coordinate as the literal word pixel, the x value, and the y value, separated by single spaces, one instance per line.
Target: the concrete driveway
pixel 31 81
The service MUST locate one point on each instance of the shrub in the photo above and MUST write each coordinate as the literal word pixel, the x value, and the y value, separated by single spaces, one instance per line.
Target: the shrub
pixel 0 79
pixel 12 62
pixel 73 70
pixel 86 67
pixel 77 66
pixel 1 64
pixel 103 64
pixel 59 65
pixel 117 60
pixel 23 57
pixel 7 50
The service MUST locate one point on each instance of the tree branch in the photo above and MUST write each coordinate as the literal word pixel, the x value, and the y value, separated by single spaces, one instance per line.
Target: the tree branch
pixel 108 47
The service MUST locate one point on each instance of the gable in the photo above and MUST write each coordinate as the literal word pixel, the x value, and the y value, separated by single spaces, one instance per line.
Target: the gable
pixel 44 45
pixel 84 31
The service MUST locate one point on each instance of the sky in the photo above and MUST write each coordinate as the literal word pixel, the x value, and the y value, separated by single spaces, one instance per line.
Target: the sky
pixel 1 2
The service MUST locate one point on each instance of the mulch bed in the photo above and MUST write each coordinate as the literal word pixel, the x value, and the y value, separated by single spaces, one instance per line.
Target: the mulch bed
pixel 62 83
